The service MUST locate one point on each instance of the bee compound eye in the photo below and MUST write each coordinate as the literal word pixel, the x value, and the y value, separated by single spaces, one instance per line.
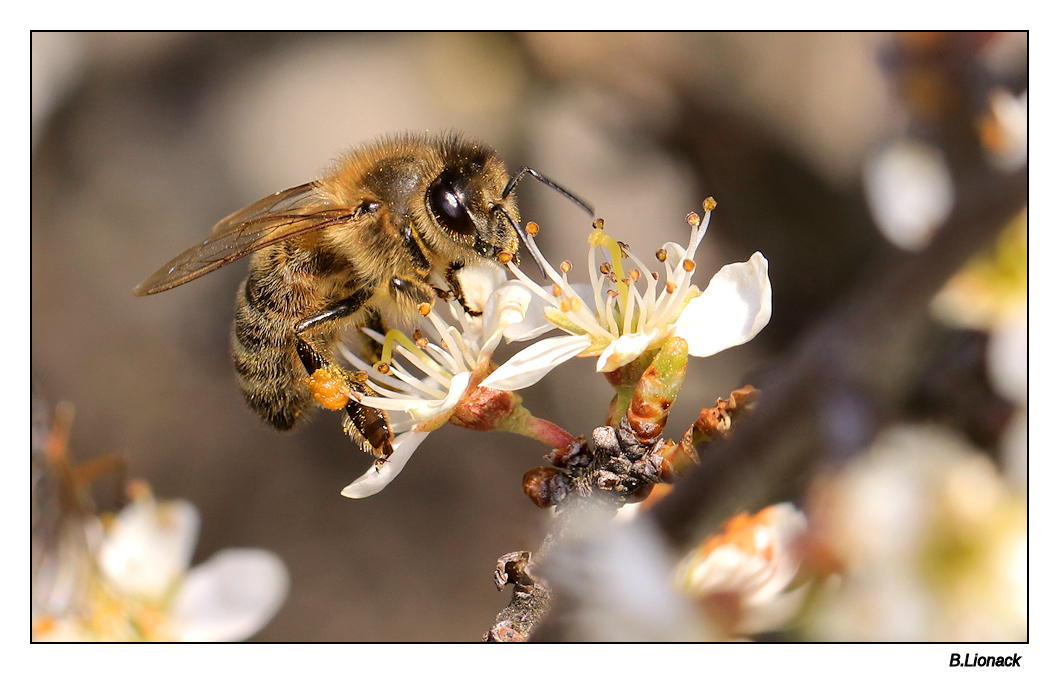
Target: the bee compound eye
pixel 446 203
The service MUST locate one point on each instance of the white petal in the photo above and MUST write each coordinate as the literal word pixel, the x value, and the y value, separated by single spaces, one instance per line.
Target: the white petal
pixel 529 366
pixel 377 477
pixel 512 300
pixel 479 281
pixel 432 408
pixel 625 350
pixel 731 311
pixel 230 596
pixel 1007 358
pixel 910 192
pixel 149 546
pixel 533 323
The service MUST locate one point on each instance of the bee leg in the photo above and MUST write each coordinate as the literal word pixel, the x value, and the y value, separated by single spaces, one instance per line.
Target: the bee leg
pixel 335 389
pixel 456 288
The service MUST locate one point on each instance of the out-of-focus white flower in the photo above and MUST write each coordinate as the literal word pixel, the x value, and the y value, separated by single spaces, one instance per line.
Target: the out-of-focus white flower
pixel 991 288
pixel 144 590
pixel 933 544
pixel 909 191
pixel 1005 133
pixel 616 321
pixel 991 294
pixel 452 358
pixel 616 583
pixel 743 576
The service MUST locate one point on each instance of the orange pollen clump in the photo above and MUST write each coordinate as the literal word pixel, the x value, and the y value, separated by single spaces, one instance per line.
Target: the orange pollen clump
pixel 532 228
pixel 693 219
pixel 634 274
pixel 605 268
pixel 654 275
pixel 556 290
pixel 709 204
pixel 689 265
pixel 424 308
pixel 329 389
pixel 597 223
pixel 671 287
pixel 566 266
pixel 382 368
pixel 504 257
pixel 661 254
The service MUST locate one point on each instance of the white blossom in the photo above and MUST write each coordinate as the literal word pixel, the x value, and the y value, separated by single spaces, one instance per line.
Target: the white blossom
pixel 146 591
pixel 439 367
pixel 749 569
pixel 626 313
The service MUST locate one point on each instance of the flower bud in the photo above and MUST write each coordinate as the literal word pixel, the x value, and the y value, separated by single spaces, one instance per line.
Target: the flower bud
pixel 545 486
pixel 657 389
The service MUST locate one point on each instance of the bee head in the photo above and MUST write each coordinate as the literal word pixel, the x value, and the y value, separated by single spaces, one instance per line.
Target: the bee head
pixel 472 200
pixel 468 203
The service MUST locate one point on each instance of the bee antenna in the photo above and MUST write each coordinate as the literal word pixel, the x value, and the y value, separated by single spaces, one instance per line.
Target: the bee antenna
pixel 533 172
pixel 526 239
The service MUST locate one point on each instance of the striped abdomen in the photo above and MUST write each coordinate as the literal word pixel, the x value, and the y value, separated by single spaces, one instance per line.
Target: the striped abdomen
pixel 281 289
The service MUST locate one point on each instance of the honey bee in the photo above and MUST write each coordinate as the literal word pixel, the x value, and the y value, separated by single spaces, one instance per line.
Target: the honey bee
pixel 375 236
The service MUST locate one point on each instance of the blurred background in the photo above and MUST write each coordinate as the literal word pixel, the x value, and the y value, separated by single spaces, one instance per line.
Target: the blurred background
pixel 142 141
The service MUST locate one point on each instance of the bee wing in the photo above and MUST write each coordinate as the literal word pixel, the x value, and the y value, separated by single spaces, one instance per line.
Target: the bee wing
pixel 268 221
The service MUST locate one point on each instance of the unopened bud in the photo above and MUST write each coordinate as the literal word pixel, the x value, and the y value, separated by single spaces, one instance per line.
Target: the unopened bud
pixel 545 486
pixel 655 392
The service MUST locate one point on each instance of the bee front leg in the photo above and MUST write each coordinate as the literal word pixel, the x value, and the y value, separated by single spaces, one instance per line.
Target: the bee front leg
pixel 335 389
